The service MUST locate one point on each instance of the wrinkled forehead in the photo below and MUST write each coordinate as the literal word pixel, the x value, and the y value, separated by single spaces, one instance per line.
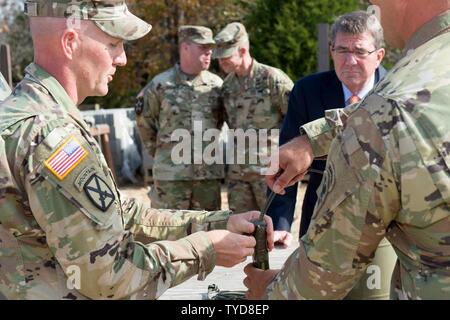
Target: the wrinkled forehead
pixel 360 40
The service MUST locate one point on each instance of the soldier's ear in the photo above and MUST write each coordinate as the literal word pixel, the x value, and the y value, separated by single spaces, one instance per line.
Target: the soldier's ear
pixel 70 42
pixel 183 46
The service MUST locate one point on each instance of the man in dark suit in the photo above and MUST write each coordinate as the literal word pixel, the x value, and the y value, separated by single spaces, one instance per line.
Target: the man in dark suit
pixel 356 49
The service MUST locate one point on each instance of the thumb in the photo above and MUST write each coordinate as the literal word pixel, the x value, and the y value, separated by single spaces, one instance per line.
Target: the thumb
pixel 247 227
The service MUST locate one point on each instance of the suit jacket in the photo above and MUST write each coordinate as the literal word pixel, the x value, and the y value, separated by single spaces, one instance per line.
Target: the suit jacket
pixel 309 99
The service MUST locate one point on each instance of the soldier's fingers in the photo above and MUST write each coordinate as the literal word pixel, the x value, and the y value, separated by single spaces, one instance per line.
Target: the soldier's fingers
pixel 246 227
pixel 270 180
pixel 297 179
pixel 270 233
pixel 247 241
pixel 240 223
pixel 246 282
pixel 284 179
pixel 247 252
pixel 254 214
pixel 249 269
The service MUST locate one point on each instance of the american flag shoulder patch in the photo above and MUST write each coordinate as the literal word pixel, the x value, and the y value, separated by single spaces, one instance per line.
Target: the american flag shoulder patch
pixel 66 158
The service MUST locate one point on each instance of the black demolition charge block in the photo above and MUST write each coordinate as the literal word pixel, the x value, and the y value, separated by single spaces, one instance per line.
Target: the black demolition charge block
pixel 261 255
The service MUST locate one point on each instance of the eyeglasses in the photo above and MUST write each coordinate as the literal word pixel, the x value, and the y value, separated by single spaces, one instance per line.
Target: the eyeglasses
pixel 360 53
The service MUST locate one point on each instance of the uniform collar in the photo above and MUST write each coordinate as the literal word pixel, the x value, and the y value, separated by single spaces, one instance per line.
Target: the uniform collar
pixel 246 80
pixel 430 30
pixel 38 75
pixel 253 69
pixel 183 78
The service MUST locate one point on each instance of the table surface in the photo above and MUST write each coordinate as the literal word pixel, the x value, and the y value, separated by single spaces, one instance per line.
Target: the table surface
pixel 224 278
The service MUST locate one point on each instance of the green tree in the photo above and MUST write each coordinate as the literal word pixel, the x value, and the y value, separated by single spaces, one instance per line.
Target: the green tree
pixel 146 57
pixel 14 31
pixel 284 33
pixel 19 39
pixel 159 50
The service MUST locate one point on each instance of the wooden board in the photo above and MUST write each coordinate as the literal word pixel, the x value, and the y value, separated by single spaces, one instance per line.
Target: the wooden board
pixel 224 278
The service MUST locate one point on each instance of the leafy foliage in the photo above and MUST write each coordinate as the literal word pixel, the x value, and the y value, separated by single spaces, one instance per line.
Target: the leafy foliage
pixel 159 50
pixel 283 33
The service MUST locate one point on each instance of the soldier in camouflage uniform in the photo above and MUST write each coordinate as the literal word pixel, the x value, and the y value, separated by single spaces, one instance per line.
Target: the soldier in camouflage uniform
pixel 255 97
pixel 387 174
pixel 65 230
pixel 185 97
pixel 4 88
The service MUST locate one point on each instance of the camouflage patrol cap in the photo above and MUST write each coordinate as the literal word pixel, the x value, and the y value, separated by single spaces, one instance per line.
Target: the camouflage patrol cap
pixel 229 39
pixel 195 34
pixel 111 16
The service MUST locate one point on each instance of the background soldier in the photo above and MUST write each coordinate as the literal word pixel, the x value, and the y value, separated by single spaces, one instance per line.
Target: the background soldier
pixel 387 173
pixel 65 231
pixel 5 90
pixel 178 99
pixel 255 97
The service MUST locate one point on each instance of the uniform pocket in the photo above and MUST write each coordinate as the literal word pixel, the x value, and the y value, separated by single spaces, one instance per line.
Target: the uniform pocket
pixel 265 115
pixel 341 180
pixel 425 180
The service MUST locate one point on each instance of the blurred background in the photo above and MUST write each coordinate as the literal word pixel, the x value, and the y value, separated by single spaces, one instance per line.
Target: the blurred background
pixel 283 34
pixel 288 34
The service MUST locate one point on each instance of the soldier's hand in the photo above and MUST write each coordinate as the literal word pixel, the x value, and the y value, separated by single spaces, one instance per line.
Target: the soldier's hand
pixel 231 248
pixel 257 281
pixel 282 238
pixel 240 223
pixel 295 158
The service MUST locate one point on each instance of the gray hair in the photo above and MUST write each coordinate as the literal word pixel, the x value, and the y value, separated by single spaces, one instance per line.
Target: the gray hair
pixel 358 22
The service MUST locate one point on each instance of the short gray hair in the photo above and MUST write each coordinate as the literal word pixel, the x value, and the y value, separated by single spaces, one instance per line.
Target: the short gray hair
pixel 358 22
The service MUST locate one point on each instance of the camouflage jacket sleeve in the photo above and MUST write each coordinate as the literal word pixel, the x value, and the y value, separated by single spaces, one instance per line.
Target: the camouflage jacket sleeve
pixel 5 91
pixel 321 132
pixel 357 200
pixel 149 225
pixel 88 226
pixel 281 89
pixel 147 117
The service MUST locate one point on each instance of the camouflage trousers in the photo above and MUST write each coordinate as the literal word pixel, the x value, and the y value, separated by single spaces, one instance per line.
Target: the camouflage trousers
pixel 246 196
pixel 186 195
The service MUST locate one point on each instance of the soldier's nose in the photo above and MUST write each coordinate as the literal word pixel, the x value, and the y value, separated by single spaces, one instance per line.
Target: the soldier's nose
pixel 121 60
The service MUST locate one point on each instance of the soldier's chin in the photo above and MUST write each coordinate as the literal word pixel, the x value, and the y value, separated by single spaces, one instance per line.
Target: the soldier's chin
pixel 101 92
